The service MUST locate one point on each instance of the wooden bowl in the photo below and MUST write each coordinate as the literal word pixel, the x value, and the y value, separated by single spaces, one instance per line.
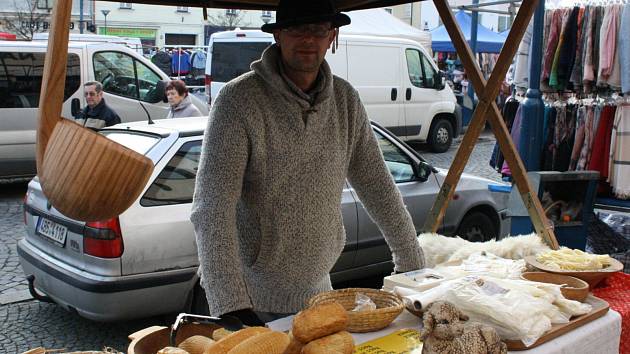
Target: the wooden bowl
pixel 152 339
pixel 592 277
pixel 574 289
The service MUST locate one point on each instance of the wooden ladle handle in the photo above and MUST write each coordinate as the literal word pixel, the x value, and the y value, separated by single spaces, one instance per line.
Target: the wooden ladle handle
pixel 54 78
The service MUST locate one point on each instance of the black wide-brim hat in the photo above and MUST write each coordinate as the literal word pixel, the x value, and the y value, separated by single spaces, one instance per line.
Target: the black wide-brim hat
pixel 301 12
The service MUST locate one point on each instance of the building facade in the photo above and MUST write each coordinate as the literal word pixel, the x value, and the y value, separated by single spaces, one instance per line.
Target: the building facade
pixel 171 25
pixel 24 17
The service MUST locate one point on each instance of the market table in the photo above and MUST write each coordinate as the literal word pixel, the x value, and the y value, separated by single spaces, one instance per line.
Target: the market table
pixel 599 336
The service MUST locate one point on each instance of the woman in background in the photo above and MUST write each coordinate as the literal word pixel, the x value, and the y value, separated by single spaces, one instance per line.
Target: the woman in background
pixel 181 104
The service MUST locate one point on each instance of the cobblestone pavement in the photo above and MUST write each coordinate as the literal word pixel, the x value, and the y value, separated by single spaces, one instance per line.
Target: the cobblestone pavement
pixel 26 323
pixel 477 163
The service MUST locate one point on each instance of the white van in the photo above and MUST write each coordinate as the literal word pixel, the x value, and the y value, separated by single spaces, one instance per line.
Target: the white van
pixel 399 84
pixel 133 87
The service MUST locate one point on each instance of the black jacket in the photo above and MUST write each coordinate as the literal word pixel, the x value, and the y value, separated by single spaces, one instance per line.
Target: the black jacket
pixel 162 60
pixel 99 117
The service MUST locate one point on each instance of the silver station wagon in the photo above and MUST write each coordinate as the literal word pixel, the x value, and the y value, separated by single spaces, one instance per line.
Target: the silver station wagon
pixel 144 262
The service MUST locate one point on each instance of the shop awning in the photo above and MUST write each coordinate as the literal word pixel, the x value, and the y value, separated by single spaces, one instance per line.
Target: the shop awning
pixel 343 5
pixel 487 40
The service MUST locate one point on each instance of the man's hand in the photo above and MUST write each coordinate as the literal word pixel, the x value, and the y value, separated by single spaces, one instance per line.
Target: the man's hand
pixel 247 316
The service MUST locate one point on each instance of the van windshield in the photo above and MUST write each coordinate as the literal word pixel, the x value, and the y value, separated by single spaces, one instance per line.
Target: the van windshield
pixel 232 59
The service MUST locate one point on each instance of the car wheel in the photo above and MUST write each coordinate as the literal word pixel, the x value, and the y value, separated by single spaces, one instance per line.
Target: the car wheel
pixel 477 227
pixel 440 135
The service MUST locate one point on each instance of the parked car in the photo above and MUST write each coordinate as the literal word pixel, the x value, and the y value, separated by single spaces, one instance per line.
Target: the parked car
pixel 133 87
pixel 144 262
pixel 406 94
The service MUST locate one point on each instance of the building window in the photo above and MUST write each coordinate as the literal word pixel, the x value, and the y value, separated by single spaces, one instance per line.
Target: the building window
pixel 504 23
pixel 45 4
pixel 389 10
pixel 182 8
pixel 125 5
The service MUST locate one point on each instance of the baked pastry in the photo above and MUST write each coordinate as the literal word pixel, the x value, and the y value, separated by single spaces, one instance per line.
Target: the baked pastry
pixel 267 343
pixel 338 343
pixel 195 344
pixel 295 346
pixel 233 339
pixel 319 321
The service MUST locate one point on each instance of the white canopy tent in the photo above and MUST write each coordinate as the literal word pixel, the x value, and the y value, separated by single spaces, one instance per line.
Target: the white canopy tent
pixel 378 22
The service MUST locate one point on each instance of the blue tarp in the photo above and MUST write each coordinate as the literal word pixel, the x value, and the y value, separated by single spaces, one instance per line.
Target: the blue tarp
pixel 487 40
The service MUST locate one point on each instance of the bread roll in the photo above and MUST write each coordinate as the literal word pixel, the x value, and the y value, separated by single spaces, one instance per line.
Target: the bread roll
pixel 338 343
pixel 196 344
pixel 295 346
pixel 172 350
pixel 265 343
pixel 220 333
pixel 232 340
pixel 319 321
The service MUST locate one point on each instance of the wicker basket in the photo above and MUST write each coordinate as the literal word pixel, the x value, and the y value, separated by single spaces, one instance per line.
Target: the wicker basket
pixel 388 307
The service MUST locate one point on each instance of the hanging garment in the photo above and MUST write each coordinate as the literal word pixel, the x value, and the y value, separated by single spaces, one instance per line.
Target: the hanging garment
pixel 619 161
pixel 601 147
pixel 588 75
pixel 607 43
pixel 614 81
pixel 162 60
pixel 508 113
pixel 521 70
pixel 585 151
pixel 576 74
pixel 180 64
pixel 548 150
pixel 563 137
pixel 579 137
pixel 198 64
pixel 516 138
pixel 624 48
pixel 555 28
pixel 553 75
pixel 567 51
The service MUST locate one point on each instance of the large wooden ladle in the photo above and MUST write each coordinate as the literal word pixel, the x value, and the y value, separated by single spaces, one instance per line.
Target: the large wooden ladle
pixel 83 174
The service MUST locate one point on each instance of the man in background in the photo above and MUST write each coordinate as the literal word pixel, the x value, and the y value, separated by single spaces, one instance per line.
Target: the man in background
pixel 97 114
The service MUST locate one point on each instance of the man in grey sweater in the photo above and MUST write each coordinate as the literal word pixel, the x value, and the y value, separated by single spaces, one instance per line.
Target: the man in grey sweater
pixel 280 143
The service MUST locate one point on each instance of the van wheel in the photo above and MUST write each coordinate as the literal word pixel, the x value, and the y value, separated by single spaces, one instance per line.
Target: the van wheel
pixel 477 227
pixel 440 135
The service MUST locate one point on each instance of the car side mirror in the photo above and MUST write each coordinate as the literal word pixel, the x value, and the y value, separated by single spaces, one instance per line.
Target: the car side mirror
pixel 439 81
pixel 423 170
pixel 75 107
pixel 160 89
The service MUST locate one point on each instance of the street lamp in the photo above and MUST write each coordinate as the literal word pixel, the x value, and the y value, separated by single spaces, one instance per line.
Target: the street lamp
pixel 266 16
pixel 105 13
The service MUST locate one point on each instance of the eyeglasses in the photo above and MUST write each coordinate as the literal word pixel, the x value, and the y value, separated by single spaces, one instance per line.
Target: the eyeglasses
pixel 91 94
pixel 319 31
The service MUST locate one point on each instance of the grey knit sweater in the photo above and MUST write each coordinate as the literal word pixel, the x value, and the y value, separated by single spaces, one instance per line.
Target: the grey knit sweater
pixel 267 203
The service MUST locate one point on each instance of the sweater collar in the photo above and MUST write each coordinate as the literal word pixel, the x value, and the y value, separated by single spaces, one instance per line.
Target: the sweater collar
pixel 187 101
pixel 271 70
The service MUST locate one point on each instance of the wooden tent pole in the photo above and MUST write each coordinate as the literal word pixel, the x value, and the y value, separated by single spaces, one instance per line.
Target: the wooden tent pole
pixel 488 92
pixel 54 77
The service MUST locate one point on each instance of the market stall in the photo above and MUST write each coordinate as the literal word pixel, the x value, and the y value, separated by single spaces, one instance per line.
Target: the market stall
pixel 496 302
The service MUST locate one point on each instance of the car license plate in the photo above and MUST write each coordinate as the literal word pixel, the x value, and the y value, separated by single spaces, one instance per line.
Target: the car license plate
pixel 52 230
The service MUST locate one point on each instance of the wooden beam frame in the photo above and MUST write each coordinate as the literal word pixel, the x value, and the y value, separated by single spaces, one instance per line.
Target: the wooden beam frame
pixel 487 93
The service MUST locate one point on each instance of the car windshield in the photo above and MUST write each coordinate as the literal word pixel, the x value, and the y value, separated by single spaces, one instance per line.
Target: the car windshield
pixel 232 59
pixel 138 142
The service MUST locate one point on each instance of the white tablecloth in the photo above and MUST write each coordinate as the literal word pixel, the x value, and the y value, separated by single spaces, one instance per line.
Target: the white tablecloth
pixel 600 336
